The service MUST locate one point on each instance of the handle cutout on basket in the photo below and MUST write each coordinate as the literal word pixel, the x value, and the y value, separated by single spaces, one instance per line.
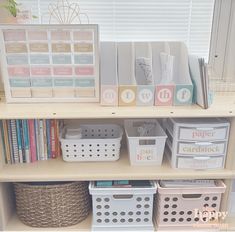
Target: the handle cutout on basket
pixel 190 196
pixel 147 142
pixel 121 197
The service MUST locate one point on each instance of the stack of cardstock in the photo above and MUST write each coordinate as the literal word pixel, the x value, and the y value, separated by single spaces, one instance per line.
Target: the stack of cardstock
pixel 49 63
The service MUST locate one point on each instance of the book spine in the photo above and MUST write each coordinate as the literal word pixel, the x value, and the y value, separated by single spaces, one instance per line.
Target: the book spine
pixel 58 147
pixel 14 141
pixel 53 138
pixel 37 137
pixel 45 139
pixel 19 141
pixel 41 140
pixel 26 141
pixel 6 142
pixel 48 131
pixel 2 142
pixel 32 141
pixel 10 140
pixel 22 140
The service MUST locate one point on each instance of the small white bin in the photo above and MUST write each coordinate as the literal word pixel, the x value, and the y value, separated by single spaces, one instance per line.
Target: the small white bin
pixel 191 206
pixel 123 209
pixel 149 148
pixel 97 143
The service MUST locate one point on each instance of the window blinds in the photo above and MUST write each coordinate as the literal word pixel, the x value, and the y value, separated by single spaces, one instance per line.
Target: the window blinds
pixel 137 20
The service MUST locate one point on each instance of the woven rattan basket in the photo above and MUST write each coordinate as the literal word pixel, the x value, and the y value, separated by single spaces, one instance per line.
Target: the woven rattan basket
pixel 52 204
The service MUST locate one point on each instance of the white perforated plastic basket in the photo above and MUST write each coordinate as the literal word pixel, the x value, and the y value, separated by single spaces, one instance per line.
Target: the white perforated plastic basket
pixel 179 207
pixel 123 209
pixel 147 149
pixel 98 143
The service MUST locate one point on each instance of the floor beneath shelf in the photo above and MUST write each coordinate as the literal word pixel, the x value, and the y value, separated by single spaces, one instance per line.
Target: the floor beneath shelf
pixel 58 170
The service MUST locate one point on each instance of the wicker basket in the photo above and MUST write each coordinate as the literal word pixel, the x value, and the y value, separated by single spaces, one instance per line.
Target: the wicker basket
pixel 54 204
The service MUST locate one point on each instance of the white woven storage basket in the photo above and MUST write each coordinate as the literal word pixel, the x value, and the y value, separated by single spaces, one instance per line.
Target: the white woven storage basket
pixel 99 142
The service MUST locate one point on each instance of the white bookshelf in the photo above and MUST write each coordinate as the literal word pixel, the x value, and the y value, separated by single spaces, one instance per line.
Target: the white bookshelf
pixel 58 170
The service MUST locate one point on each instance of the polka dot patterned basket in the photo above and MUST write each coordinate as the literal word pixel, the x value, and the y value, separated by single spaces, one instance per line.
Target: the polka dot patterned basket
pixel 191 206
pixel 128 208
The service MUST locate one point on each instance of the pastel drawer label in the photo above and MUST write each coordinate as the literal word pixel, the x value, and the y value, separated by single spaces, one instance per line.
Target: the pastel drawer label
pixel 203 134
pixel 85 92
pixel 83 59
pixel 63 71
pixel 40 71
pixel 16 48
pixel 18 71
pixel 83 47
pixel 84 82
pixel 200 163
pixel 17 59
pixel 39 59
pixel 14 35
pixel 21 92
pixel 41 82
pixel 83 35
pixel 61 47
pixel 38 47
pixel 63 82
pixel 60 35
pixel 201 148
pixel 19 82
pixel 84 71
pixel 37 35
pixel 61 59
pixel 146 153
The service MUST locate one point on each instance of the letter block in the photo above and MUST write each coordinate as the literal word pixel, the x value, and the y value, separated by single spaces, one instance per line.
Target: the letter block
pixel 164 95
pixel 109 95
pixel 145 95
pixel 183 95
pixel 127 95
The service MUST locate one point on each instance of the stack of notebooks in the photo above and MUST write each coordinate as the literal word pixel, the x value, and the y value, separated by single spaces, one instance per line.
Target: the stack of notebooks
pixel 200 78
pixel 26 141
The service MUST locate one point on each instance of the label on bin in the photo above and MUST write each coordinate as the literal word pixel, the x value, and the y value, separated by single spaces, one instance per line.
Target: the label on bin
pixel 146 154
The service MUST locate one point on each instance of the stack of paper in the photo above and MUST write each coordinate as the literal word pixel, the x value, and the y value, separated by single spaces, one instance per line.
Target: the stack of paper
pixel 200 78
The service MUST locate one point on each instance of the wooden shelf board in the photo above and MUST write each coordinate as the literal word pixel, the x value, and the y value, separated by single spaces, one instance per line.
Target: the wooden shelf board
pixel 223 106
pixel 15 224
pixel 58 170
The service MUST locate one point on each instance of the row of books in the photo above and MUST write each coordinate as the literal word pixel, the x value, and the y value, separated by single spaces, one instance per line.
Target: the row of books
pixel 29 140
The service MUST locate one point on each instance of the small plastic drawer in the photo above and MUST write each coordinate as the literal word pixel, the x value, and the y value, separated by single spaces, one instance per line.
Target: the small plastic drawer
pixel 192 129
pixel 200 162
pixel 202 148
